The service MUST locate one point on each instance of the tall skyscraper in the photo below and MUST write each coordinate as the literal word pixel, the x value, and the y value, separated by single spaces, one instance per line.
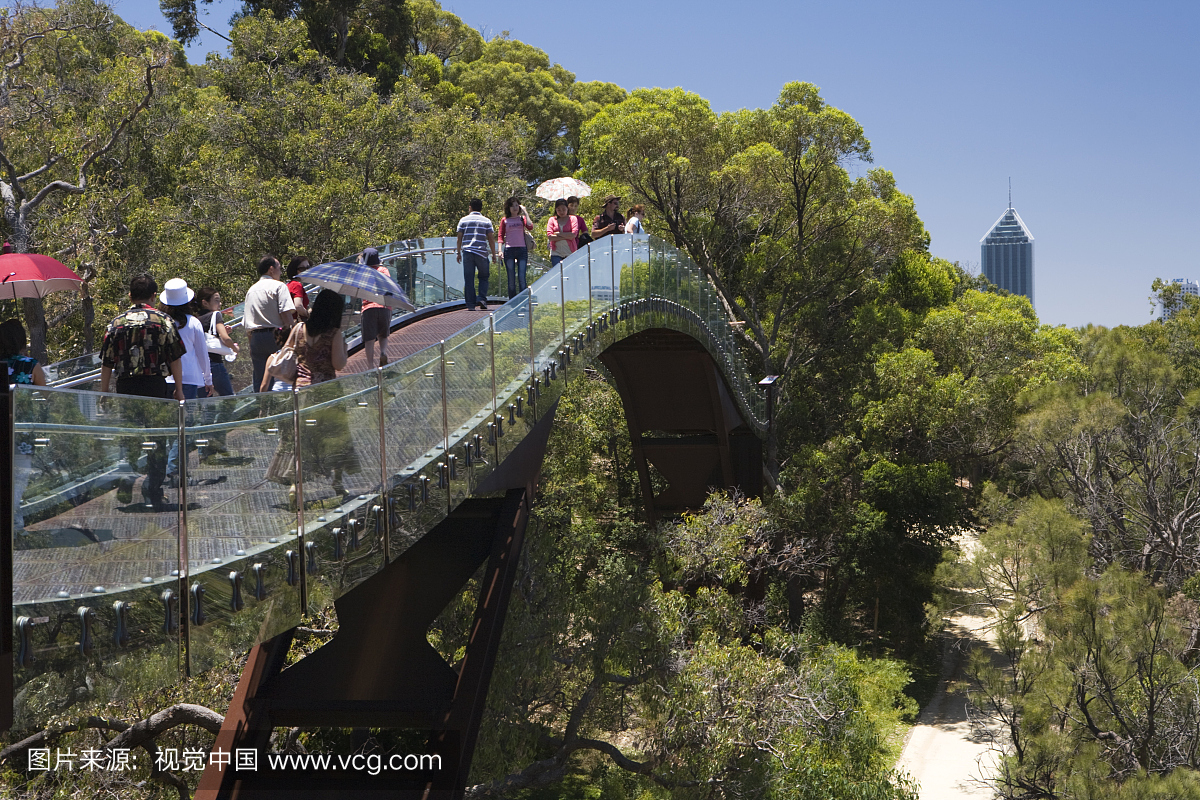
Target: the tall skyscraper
pixel 1186 286
pixel 1006 254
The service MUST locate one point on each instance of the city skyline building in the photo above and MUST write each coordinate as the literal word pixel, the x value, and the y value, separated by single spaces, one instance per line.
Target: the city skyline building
pixel 1186 286
pixel 1006 253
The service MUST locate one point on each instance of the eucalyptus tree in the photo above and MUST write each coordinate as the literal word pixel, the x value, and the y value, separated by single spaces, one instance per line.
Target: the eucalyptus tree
pixel 73 78
pixel 765 203
pixel 370 36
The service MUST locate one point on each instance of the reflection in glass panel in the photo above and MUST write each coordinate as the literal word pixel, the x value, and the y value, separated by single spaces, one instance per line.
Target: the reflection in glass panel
pixel 95 545
pixel 414 437
pixel 241 523
pixel 340 466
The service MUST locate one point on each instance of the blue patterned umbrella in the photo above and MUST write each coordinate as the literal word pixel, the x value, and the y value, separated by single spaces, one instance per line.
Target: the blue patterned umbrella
pixel 358 280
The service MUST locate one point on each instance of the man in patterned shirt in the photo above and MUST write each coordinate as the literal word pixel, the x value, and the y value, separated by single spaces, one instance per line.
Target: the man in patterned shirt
pixel 142 346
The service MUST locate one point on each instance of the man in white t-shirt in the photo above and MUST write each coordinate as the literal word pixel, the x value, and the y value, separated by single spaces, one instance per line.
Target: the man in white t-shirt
pixel 268 308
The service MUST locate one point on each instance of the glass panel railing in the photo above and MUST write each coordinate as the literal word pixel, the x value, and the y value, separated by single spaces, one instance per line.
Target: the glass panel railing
pixel 511 343
pixel 576 294
pixel 415 438
pixel 612 264
pixel 538 266
pixel 511 324
pixel 340 466
pixel 71 368
pixel 96 547
pixel 469 406
pixel 241 520
pixel 469 379
pixel 547 317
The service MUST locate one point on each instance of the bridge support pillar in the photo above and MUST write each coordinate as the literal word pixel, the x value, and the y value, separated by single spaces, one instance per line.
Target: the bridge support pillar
pixel 379 670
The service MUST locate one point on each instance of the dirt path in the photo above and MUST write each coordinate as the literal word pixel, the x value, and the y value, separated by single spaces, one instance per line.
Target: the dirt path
pixel 945 753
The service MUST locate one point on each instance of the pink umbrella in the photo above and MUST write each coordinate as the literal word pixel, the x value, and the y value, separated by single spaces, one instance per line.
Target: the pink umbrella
pixel 33 275
pixel 562 188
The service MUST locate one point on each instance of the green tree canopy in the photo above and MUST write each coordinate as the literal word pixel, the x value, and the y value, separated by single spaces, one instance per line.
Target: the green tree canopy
pixel 764 202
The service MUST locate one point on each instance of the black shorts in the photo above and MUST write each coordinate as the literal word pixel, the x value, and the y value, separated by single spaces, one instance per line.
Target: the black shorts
pixel 376 323
pixel 144 386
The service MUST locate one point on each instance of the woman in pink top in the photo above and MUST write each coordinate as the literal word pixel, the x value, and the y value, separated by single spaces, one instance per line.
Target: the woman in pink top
pixel 562 230
pixel 512 239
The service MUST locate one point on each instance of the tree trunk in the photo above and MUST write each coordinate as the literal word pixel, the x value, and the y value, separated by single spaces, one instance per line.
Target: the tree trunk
pixel 32 308
pixel 35 324
pixel 341 30
pixel 796 587
pixel 89 320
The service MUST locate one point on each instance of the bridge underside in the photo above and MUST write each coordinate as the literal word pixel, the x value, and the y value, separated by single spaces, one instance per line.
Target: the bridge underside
pixel 379 670
pixel 682 421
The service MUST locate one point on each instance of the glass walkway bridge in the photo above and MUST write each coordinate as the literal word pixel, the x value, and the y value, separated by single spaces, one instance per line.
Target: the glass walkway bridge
pixel 109 593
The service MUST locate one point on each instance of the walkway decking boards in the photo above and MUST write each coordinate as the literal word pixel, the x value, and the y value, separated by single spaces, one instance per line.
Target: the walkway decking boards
pixel 419 335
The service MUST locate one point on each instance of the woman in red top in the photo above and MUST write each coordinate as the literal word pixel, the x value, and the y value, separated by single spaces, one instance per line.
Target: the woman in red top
pixel 299 297
pixel 512 239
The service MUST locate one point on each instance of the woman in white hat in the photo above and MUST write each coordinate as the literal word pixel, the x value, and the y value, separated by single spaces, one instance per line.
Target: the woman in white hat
pixel 176 298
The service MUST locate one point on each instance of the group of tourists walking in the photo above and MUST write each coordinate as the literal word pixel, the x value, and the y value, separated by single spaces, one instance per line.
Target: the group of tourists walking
pixel 179 347
pixel 566 232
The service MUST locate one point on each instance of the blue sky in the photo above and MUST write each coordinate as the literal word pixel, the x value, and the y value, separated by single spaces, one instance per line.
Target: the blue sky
pixel 1091 108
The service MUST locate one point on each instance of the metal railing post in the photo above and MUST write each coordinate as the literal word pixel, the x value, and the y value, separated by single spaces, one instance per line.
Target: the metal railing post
pixel 445 417
pixel 445 286
pixel 562 301
pixel 383 476
pixel 184 594
pixel 492 351
pixel 299 501
pixel 532 354
pixel 589 259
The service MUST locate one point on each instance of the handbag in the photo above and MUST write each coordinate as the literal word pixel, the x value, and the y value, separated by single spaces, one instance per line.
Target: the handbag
pixel 215 345
pixel 584 237
pixel 284 363
pixel 529 242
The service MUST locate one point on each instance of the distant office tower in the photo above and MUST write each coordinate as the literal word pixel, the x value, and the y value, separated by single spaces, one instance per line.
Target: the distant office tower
pixel 1007 254
pixel 1186 286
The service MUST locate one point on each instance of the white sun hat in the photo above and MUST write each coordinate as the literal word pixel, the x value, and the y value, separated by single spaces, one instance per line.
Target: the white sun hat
pixel 176 293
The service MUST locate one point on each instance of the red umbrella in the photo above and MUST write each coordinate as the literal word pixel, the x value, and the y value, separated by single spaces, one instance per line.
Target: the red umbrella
pixel 33 275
